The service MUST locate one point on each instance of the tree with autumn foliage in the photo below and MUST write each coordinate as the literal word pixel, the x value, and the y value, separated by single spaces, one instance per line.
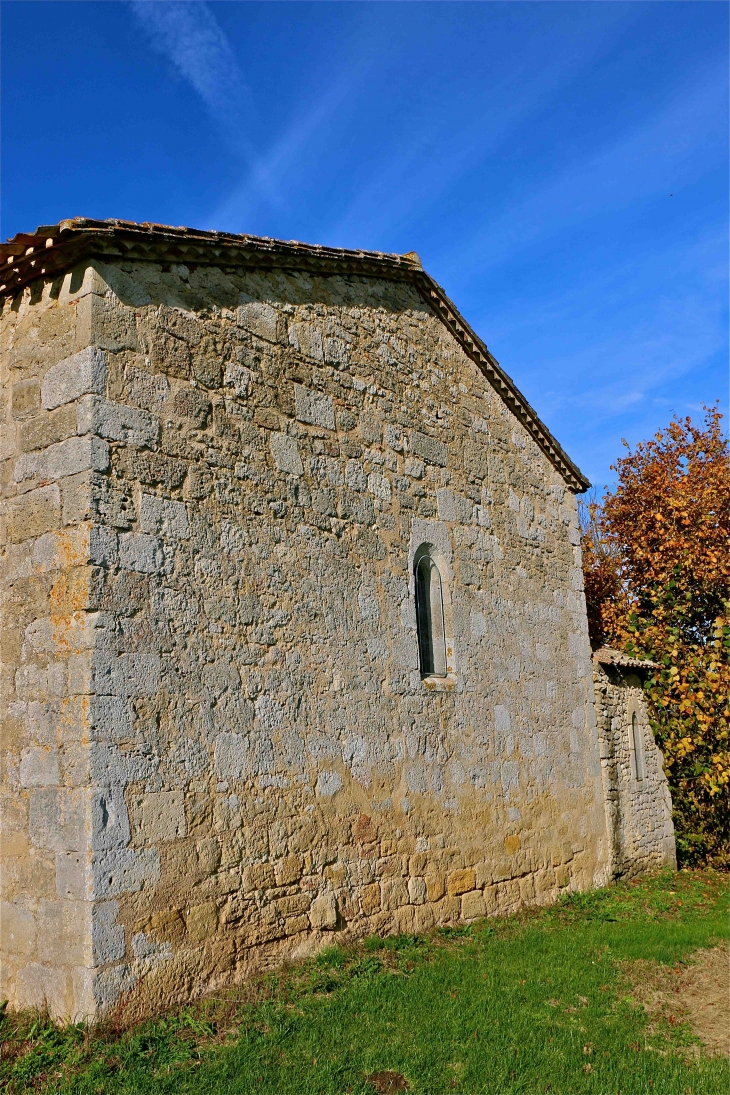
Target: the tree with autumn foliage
pixel 656 557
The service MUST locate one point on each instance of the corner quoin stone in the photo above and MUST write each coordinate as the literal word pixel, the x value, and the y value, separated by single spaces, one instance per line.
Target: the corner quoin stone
pixel 78 375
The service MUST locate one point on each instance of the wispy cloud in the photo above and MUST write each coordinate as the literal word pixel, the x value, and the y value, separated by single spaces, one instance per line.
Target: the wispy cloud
pixel 278 173
pixel 409 170
pixel 417 173
pixel 189 35
pixel 616 355
pixel 651 160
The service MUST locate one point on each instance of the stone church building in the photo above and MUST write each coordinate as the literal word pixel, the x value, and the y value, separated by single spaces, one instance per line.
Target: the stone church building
pixel 294 640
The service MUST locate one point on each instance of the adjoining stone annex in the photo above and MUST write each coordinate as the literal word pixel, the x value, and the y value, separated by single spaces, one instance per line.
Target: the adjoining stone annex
pixel 294 641
pixel 638 801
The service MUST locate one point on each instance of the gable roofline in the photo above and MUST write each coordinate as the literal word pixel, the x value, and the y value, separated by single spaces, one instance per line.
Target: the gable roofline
pixel 53 249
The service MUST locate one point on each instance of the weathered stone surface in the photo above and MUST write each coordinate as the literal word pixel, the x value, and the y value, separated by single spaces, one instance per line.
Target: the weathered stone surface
pixel 45 988
pixel 39 767
pixel 461 881
pixel 286 454
pixel 639 809
pixel 158 816
pixel 431 450
pixel 116 422
pixel 33 513
pixel 17 929
pixel 202 922
pixel 124 871
pixel 323 912
pixel 66 458
pixel 163 517
pixel 316 408
pixel 76 376
pixel 219 739
pixel 143 553
pixel 473 905
pixel 107 937
pixel 25 398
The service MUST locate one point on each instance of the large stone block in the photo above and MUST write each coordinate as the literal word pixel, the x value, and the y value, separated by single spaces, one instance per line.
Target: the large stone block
pixel 307 338
pixel 286 454
pixel 45 989
pixel 33 513
pixel 107 937
pixel 473 905
pixel 258 317
pixel 158 816
pixel 144 553
pixel 316 408
pixel 57 819
pixel 231 755
pixel 323 912
pixel 125 871
pixel 66 458
pixel 116 421
pixel 61 934
pixel 47 428
pixel 63 634
pixel 461 881
pixel 163 517
pixel 73 876
pixel 126 674
pixel 201 922
pixel 25 398
pixel 394 893
pixel 108 815
pixel 111 767
pixel 110 718
pixel 39 766
pixel 73 377
pixel 61 549
pixel 428 448
pixel 34 683
pixel 17 929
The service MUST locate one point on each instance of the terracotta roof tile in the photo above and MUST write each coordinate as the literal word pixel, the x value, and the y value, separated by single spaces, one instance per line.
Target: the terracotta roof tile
pixel 606 655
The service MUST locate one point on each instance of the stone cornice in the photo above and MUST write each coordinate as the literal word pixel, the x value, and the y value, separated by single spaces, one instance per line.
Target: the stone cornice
pixel 54 249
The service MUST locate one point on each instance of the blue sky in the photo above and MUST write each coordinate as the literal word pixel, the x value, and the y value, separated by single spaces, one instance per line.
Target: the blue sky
pixel 561 168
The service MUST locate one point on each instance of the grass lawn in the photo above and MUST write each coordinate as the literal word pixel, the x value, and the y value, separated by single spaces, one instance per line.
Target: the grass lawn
pixel 546 1002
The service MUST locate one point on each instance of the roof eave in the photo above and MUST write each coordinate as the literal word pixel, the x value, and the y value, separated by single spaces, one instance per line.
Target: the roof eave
pixel 54 249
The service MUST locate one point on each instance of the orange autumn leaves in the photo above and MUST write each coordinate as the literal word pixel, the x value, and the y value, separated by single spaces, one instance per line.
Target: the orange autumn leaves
pixel 656 557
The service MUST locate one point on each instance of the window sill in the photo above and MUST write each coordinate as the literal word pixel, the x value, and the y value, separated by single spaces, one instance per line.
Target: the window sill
pixel 439 684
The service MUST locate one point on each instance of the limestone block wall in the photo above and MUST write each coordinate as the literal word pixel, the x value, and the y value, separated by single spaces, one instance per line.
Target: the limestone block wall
pixel 52 934
pixel 218 746
pixel 638 802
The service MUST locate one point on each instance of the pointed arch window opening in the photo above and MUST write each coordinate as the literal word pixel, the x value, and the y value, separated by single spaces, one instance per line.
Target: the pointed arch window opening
pixel 430 618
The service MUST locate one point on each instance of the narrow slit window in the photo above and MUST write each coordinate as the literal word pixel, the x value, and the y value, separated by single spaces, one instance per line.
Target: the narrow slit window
pixel 430 618
pixel 637 743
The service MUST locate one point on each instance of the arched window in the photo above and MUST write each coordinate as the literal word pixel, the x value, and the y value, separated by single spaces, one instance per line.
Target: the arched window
pixel 430 616
pixel 637 743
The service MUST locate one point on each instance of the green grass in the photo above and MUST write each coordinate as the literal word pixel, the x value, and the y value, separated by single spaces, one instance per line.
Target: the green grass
pixel 536 1003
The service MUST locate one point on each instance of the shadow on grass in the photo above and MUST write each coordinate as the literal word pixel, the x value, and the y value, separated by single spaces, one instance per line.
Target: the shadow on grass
pixel 534 1003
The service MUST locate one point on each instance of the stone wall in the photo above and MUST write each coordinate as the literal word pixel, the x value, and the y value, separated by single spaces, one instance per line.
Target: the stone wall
pixel 218 749
pixel 638 802
pixel 52 936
